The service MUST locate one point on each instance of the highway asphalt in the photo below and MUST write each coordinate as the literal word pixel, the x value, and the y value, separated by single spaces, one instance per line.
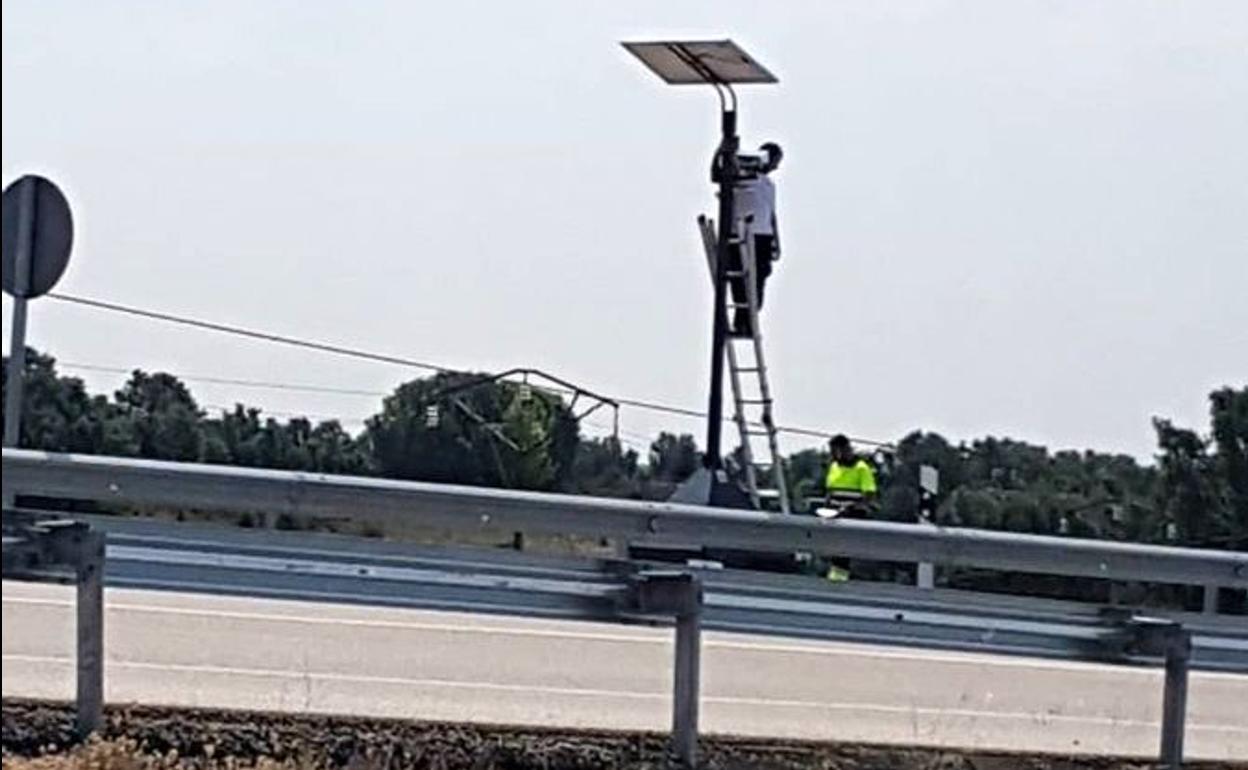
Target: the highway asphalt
pixel 193 649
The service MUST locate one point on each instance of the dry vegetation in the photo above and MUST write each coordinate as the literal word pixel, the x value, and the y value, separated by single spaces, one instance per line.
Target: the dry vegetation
pixel 127 754
pixel 37 736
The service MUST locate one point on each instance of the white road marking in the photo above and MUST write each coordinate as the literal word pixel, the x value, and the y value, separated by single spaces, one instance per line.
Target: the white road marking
pixel 628 694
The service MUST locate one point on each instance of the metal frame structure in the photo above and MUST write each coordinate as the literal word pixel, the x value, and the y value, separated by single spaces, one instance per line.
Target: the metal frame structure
pixel 624 591
pixel 575 391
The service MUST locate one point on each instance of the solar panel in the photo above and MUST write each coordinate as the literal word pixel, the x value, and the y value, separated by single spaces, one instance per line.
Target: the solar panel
pixel 700 62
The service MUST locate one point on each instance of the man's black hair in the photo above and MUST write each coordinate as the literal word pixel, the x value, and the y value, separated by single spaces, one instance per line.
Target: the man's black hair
pixel 840 441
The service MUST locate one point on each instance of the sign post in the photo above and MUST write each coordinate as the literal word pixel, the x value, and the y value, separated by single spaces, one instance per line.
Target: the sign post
pixel 38 233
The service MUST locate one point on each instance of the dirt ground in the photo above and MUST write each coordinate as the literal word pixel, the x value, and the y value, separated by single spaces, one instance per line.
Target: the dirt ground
pixel 38 736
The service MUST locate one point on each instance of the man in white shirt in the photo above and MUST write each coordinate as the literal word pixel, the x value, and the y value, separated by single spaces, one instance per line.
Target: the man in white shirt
pixel 754 207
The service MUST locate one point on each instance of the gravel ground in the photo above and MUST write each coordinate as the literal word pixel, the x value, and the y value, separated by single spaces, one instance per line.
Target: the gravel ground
pixel 38 736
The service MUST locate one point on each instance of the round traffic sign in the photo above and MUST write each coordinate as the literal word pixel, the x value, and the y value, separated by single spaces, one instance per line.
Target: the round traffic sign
pixel 36 221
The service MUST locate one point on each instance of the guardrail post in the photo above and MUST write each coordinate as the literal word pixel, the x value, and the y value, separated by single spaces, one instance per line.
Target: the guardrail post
pixel 1168 638
pixel 1211 599
pixel 679 594
pixel 1174 701
pixel 925 572
pixel 90 630
pixel 926 578
pixel 66 551
pixel 688 680
pixel 929 486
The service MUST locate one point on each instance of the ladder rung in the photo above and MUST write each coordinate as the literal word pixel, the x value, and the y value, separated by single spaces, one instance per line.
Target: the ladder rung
pixel 763 401
pixel 748 369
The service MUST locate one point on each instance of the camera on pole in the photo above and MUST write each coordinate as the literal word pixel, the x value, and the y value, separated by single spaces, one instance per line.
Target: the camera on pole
pixel 721 64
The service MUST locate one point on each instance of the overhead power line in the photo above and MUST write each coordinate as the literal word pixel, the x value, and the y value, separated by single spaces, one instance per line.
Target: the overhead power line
pixel 282 339
pixel 242 332
pixel 296 387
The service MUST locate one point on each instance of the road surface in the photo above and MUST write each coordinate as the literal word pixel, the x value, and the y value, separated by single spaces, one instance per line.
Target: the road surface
pixel 185 649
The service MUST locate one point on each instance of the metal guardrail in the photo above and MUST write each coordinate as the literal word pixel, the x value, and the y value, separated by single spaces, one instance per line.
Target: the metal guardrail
pixel 144 553
pixel 39 549
pixel 209 487
pixel 214 559
pixel 631 592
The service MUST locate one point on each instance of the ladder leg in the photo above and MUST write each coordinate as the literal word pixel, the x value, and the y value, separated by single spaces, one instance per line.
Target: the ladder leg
pixel 751 270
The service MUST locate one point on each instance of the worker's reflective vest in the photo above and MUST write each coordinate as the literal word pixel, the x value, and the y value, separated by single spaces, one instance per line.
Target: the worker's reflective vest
pixel 858 478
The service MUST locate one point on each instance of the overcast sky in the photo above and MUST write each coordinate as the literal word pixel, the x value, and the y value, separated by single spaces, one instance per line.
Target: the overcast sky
pixel 1022 218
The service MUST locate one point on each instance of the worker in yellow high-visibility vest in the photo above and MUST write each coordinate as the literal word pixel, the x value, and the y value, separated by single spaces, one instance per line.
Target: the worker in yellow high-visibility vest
pixel 851 488
pixel 849 476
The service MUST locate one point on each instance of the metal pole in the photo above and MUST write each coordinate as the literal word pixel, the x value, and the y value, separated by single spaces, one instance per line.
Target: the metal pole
pixel 1211 599
pixel 1174 701
pixel 21 284
pixel 926 578
pixel 17 371
pixel 929 485
pixel 719 328
pixel 688 675
pixel 90 633
pixel 925 574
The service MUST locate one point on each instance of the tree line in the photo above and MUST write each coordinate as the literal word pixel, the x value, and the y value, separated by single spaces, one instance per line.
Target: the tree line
pixel 463 429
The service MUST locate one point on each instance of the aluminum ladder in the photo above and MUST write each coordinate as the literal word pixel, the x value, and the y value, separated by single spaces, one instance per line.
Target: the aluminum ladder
pixel 748 350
